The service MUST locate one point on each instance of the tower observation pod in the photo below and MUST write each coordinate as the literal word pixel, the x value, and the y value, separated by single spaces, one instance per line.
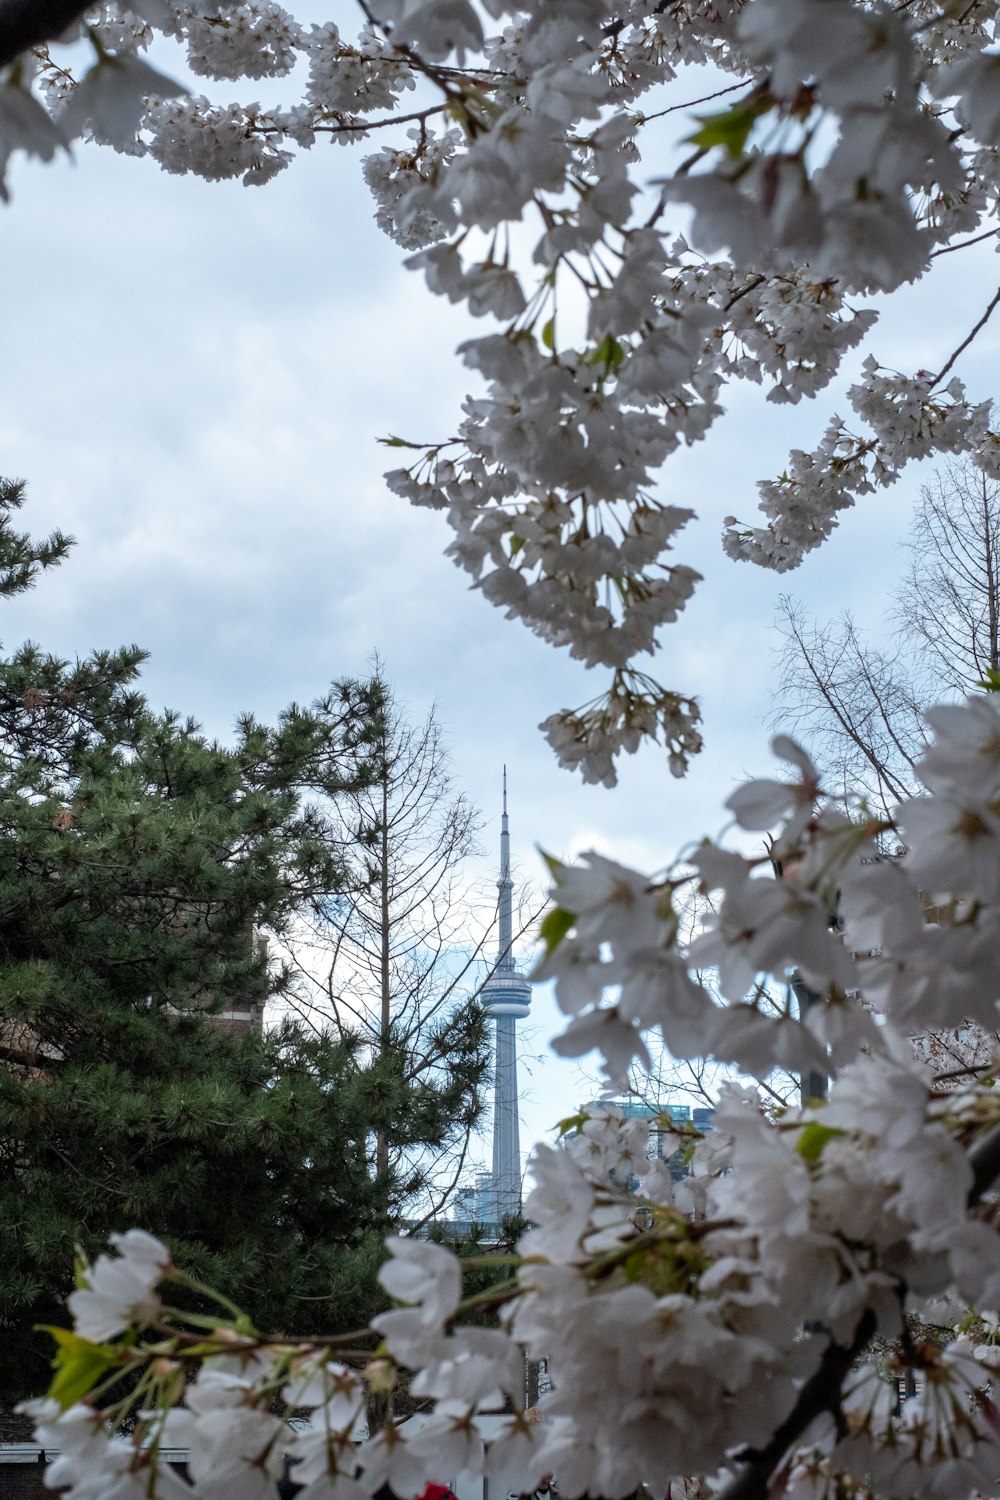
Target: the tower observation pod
pixel 506 997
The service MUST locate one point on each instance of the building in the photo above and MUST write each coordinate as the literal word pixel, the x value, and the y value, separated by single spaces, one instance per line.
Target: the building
pixel 238 1015
pixel 476 1203
pixel 701 1118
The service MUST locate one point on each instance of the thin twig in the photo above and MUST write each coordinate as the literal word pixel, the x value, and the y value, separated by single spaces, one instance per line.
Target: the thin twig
pixel 751 286
pixel 987 234
pixel 366 125
pixel 436 74
pixel 966 342
pixel 962 1072
pixel 690 103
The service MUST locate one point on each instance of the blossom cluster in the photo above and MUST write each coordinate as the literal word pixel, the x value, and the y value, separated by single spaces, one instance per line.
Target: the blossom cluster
pixel 908 417
pixel 730 1324
pixel 857 141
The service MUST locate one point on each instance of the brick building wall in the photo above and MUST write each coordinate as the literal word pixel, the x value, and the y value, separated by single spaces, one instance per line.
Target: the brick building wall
pixel 21 1473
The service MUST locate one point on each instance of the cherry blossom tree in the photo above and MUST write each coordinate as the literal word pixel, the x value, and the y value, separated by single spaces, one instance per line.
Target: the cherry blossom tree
pixel 718 1329
pixel 858 705
pixel 628 283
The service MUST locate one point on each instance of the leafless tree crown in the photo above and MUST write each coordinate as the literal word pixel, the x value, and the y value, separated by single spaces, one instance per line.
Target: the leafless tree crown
pixel 857 706
pixel 395 959
pixel 947 607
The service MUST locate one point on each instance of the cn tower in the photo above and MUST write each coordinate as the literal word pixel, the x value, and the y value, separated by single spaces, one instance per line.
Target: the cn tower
pixel 506 996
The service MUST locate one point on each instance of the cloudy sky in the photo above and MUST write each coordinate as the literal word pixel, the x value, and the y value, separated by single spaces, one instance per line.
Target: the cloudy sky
pixel 194 377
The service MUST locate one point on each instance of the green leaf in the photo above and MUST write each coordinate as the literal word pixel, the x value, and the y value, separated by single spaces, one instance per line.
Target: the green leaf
pixel 516 543
pixel 728 130
pixel 549 334
pixel 554 927
pixel 813 1138
pixel 572 1125
pixel 991 682
pixel 78 1364
pixel 608 353
pixel 398 442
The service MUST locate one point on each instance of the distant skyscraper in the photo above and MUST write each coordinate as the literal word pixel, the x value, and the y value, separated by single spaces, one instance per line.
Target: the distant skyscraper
pixel 506 995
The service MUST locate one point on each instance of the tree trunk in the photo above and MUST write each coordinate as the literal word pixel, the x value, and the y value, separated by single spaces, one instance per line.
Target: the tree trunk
pixel 382 1143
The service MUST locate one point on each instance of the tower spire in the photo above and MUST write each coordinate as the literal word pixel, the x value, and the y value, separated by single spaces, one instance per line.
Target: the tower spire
pixel 505 958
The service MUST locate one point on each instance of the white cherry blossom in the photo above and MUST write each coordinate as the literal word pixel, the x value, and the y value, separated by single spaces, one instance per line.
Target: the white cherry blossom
pixel 120 1290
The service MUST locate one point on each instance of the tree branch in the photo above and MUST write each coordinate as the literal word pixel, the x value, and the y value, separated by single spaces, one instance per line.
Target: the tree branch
pixel 965 342
pixel 29 23
pixel 821 1393
pixel 984 1159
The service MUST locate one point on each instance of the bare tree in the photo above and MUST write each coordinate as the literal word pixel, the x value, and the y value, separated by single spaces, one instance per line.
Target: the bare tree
pixel 858 708
pixel 398 959
pixel 947 608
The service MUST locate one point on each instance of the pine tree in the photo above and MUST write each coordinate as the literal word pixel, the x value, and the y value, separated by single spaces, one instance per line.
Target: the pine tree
pixel 137 862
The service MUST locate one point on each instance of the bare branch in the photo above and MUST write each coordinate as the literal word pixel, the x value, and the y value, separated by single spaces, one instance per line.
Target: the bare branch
pixel 856 707
pixel 396 958
pixel 948 604
pixel 967 340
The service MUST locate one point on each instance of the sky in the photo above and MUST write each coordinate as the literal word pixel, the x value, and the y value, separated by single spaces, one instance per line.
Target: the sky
pixel 194 377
